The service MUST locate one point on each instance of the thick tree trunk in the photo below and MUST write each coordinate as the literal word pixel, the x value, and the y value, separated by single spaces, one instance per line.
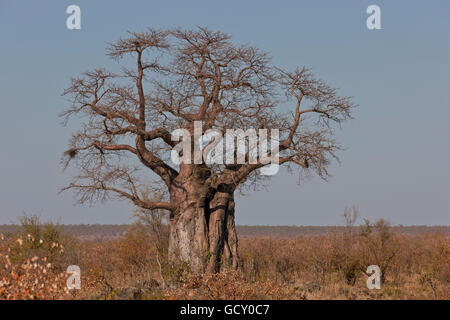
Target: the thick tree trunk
pixel 188 241
pixel 222 233
pixel 202 230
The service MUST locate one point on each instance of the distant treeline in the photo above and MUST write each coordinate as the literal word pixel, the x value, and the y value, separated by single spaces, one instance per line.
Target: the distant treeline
pixel 113 231
pixel 84 231
pixel 295 231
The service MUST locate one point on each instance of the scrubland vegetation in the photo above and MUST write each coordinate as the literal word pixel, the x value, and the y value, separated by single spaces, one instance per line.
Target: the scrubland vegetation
pixel 34 259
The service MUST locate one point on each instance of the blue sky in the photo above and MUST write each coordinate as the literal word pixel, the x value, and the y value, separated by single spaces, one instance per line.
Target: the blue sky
pixel 395 162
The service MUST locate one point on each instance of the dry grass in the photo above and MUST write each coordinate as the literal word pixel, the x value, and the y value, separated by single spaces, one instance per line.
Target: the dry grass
pixel 135 266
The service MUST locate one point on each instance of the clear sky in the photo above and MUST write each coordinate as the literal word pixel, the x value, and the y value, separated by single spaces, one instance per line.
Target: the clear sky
pixel 395 165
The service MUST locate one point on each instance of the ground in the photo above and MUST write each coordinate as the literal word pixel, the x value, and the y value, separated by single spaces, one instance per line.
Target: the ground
pixel 127 262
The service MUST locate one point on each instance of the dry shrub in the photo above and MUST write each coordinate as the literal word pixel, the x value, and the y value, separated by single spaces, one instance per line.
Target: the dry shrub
pixel 135 266
pixel 228 284
pixel 46 240
pixel 126 262
pixel 333 266
pixel 35 277
pixel 33 261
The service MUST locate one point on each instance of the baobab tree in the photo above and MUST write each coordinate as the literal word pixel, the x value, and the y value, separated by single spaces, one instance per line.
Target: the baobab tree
pixel 172 79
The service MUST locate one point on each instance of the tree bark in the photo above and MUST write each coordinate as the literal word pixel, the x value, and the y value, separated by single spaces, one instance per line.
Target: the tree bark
pixel 202 229
pixel 222 233
pixel 231 240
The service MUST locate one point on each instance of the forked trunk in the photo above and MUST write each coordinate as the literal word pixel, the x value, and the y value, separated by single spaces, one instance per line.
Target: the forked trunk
pixel 202 230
